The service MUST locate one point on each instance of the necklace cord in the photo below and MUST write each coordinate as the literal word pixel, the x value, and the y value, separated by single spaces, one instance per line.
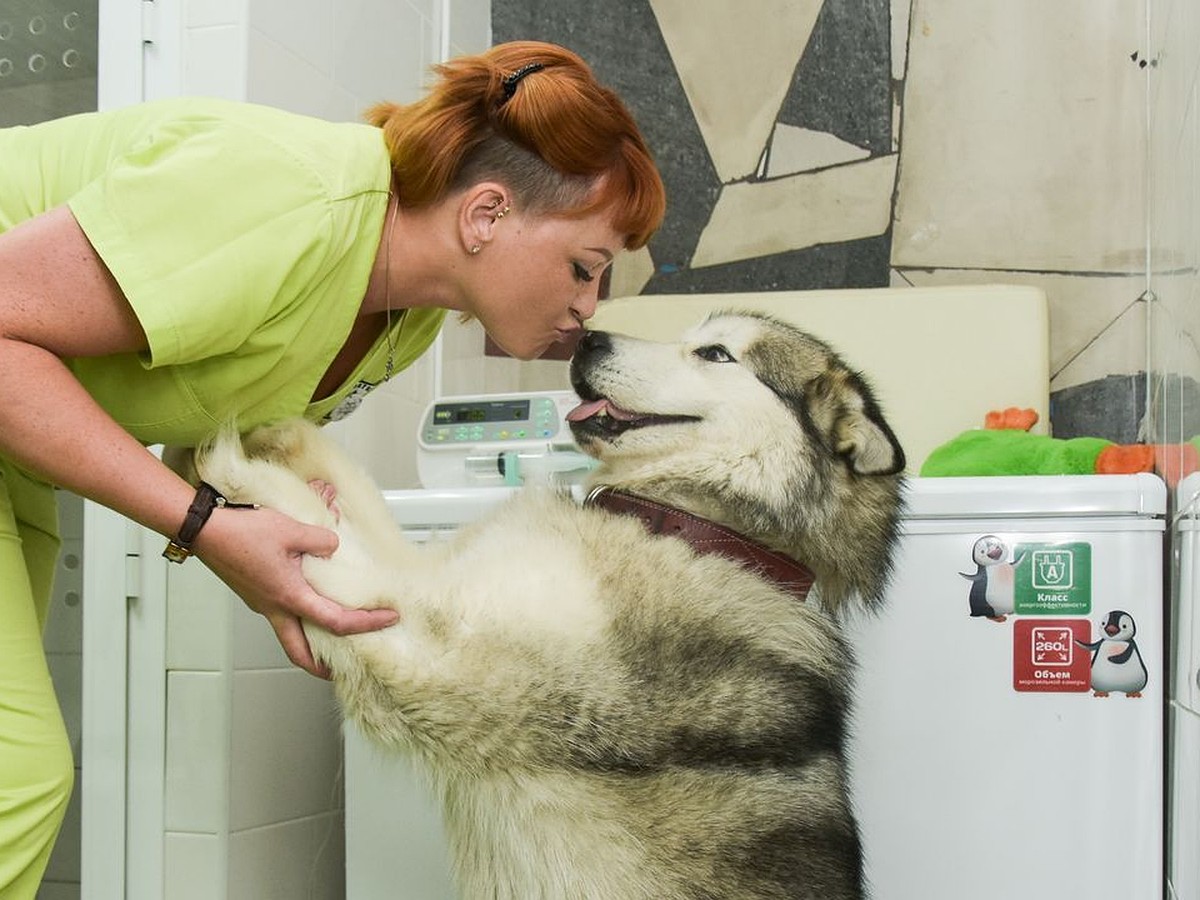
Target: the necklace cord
pixel 390 365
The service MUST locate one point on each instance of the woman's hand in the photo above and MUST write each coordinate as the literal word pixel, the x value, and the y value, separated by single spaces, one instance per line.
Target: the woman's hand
pixel 258 554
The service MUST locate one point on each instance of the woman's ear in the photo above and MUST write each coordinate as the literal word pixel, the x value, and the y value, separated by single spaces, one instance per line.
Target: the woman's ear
pixel 482 206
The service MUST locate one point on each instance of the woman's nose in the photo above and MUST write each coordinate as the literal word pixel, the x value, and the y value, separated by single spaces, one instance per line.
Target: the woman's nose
pixel 584 306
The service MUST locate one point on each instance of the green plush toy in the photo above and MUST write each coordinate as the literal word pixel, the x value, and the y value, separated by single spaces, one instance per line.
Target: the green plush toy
pixel 1011 451
pixel 1004 446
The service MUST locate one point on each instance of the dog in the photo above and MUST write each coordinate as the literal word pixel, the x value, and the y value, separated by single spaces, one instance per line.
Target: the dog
pixel 608 713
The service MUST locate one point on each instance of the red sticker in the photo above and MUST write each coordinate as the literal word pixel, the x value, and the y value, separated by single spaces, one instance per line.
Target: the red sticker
pixel 1047 657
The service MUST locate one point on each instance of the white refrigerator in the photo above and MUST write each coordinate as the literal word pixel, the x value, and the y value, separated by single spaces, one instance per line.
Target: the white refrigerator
pixel 1008 736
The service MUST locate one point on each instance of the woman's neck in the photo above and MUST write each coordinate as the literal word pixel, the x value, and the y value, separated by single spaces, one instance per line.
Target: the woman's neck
pixel 415 265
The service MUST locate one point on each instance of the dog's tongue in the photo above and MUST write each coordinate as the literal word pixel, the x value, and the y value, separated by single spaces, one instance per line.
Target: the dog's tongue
pixel 586 410
pixel 589 408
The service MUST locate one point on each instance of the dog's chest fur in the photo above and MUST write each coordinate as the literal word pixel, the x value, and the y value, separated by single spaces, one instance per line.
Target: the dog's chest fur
pixel 596 704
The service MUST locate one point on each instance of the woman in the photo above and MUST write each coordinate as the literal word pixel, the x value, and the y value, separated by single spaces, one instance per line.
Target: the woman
pixel 175 265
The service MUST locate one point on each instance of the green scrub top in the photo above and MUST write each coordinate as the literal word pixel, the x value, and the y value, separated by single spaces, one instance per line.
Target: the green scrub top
pixel 243 237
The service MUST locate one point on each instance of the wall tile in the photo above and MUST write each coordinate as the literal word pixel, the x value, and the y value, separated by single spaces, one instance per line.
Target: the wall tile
pixel 842 83
pixel 545 375
pixel 380 49
pixel 215 62
pixel 206 13
pixel 999 172
pixel 463 362
pixel 276 76
pixel 470 26
pixel 198 605
pixel 735 105
pixel 900 14
pixel 306 31
pixel 297 859
pixel 252 639
pixel 1120 348
pixel 801 149
pixel 762 219
pixel 194 866
pixel 197 771
pixel 285 748
pixel 380 435
pixel 630 273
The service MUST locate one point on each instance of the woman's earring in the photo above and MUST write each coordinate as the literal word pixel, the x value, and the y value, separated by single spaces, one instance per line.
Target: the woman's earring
pixel 475 248
pixel 503 212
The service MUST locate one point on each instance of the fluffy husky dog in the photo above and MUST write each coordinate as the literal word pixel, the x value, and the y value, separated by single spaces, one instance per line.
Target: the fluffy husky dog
pixel 608 714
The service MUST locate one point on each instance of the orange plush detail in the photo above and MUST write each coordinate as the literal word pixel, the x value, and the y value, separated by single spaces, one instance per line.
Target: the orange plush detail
pixel 1171 461
pixel 1013 417
pixel 1174 461
pixel 1125 459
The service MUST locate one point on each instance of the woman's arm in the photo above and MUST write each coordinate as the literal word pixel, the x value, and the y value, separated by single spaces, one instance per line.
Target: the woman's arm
pixel 58 299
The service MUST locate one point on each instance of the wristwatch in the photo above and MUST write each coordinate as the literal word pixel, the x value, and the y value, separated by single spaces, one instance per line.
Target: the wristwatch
pixel 206 500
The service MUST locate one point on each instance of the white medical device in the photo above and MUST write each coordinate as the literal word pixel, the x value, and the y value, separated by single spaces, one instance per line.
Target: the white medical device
pixel 484 440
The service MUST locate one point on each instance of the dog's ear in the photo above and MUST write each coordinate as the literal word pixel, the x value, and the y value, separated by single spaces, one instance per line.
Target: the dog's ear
pixel 862 436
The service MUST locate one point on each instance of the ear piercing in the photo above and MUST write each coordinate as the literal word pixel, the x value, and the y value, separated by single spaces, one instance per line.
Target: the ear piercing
pixel 500 214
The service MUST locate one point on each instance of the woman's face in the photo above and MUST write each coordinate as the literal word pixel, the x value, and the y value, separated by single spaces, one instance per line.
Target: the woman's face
pixel 538 279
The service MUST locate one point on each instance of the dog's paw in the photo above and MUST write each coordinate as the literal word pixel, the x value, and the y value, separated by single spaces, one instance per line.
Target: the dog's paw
pixel 328 494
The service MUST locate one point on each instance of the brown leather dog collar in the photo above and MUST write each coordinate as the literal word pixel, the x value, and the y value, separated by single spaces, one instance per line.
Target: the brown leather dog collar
pixel 707 536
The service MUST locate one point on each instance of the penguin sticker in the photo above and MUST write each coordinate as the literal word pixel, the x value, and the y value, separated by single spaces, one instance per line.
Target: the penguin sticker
pixel 1116 661
pixel 993 584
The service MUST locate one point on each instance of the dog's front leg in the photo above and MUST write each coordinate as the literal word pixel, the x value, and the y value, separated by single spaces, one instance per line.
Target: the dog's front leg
pixel 346 487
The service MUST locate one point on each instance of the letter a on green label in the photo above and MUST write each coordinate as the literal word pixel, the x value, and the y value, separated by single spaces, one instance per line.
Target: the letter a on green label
pixel 1053 579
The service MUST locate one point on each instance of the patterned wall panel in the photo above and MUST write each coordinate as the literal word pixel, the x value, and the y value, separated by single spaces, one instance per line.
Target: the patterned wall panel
pixel 760 117
pixel 861 143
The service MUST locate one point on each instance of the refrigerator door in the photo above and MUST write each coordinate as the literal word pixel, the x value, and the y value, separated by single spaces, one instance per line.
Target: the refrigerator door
pixel 1183 862
pixel 1008 736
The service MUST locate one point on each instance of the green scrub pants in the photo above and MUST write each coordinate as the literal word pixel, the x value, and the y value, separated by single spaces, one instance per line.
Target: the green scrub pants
pixel 36 766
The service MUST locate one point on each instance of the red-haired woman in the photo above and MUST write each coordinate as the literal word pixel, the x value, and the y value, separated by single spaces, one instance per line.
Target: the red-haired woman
pixel 175 265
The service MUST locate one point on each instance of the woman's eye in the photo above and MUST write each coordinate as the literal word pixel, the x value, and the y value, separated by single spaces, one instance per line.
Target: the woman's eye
pixel 715 353
pixel 582 274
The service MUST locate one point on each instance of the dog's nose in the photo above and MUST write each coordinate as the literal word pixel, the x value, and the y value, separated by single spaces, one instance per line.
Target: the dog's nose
pixel 593 342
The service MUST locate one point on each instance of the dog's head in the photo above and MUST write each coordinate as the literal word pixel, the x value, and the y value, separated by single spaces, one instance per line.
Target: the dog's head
pixel 758 425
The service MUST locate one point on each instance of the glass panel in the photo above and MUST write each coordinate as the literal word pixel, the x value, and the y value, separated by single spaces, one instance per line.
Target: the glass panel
pixel 47 59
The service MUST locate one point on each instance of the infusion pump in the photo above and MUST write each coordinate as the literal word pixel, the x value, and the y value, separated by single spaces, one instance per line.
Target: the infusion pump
pixel 485 440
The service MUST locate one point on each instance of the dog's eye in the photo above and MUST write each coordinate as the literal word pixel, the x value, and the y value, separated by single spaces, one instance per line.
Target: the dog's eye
pixel 714 353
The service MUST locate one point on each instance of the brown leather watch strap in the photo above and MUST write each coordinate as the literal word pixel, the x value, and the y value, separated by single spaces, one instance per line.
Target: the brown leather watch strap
pixel 206 500
pixel 707 536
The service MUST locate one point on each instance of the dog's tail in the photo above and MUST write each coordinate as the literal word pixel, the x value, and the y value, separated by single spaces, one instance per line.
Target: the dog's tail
pixel 221 461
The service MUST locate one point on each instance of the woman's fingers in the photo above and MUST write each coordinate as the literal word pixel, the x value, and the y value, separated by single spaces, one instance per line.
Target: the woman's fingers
pixel 290 634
